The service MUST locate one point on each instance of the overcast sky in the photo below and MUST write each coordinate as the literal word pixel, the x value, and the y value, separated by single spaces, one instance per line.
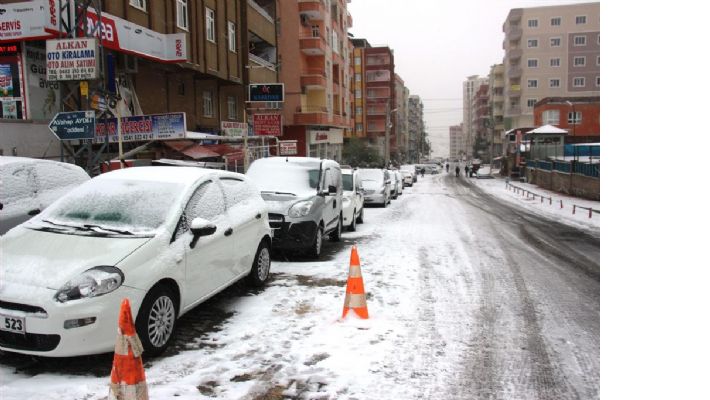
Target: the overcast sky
pixel 437 45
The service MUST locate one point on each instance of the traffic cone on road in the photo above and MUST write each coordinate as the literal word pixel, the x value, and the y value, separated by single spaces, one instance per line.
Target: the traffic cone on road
pixel 127 373
pixel 355 291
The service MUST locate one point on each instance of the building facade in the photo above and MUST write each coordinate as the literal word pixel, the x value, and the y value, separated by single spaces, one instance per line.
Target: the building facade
pixel 400 115
pixel 415 126
pixel 314 55
pixel 496 101
pixel 579 116
pixel 550 51
pixel 456 142
pixel 470 88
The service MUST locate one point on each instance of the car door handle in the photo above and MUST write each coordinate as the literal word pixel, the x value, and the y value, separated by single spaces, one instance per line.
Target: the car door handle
pixel 228 232
pixel 335 202
pixel 258 216
pixel 33 212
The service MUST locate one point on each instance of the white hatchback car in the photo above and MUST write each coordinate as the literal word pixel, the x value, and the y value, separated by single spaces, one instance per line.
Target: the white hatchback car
pixel 353 199
pixel 29 185
pixel 166 238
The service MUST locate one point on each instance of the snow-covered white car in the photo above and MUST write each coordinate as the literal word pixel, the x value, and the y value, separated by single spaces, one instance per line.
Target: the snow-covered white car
pixel 484 172
pixel 376 185
pixel 29 185
pixel 407 177
pixel 166 238
pixel 353 199
pixel 397 183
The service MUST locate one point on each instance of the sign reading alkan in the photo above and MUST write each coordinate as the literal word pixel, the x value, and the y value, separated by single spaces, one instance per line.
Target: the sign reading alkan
pixel 71 59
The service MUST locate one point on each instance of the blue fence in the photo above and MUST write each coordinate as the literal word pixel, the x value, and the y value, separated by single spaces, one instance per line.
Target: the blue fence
pixel 566 167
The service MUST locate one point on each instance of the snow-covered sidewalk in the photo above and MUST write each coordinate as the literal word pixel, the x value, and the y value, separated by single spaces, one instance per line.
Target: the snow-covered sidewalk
pixel 564 213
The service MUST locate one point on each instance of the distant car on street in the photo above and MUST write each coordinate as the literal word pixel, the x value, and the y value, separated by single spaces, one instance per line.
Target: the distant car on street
pixel 376 185
pixel 484 172
pixel 353 199
pixel 166 238
pixel 29 185
pixel 399 186
pixel 407 177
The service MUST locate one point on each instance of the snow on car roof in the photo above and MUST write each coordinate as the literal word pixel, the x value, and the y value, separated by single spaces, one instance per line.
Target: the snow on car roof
pixel 161 174
pixel 6 160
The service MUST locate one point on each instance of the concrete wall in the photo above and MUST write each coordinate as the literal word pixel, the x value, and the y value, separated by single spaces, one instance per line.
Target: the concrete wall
pixel 572 184
pixel 26 139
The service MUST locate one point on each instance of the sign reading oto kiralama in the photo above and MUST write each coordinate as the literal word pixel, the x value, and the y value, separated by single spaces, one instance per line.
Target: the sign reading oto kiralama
pixel 71 59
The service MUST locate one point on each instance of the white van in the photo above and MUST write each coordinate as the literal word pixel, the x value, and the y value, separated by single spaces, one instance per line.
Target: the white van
pixel 304 196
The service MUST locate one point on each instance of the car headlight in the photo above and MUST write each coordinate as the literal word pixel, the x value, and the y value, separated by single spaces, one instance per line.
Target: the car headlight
pixel 300 209
pixel 93 282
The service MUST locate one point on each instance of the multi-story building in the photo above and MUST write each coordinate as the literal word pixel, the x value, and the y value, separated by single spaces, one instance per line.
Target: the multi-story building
pixel 456 142
pixel 482 132
pixel 314 59
pixel 470 88
pixel 199 72
pixel 376 95
pixel 578 115
pixel 400 115
pixel 415 125
pixel 496 100
pixel 550 51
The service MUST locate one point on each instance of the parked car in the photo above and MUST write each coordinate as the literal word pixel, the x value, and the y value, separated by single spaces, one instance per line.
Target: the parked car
pixel 399 183
pixel 30 185
pixel 305 200
pixel 166 238
pixel 407 178
pixel 484 172
pixel 413 169
pixel 376 183
pixel 353 199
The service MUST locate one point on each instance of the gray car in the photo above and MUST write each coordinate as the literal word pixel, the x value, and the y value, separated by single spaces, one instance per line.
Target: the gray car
pixel 376 183
pixel 305 200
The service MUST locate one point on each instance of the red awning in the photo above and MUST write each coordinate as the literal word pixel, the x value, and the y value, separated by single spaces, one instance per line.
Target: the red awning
pixel 191 149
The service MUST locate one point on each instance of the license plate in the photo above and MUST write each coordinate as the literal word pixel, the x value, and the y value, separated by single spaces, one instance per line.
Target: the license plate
pixel 12 324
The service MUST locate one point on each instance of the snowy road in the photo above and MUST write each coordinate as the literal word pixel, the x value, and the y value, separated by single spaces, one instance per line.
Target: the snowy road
pixel 469 297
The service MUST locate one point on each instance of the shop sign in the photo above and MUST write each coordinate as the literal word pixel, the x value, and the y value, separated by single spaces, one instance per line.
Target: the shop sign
pixel 267 124
pixel 266 92
pixel 43 95
pixel 288 147
pixel 71 59
pixel 142 128
pixel 24 21
pixel 12 104
pixel 331 136
pixel 234 129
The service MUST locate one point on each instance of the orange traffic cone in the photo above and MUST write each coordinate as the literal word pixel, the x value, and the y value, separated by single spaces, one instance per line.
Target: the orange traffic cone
pixel 355 291
pixel 127 374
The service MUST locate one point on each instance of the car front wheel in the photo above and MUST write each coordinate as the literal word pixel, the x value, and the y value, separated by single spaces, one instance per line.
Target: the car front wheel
pixel 352 228
pixel 361 218
pixel 335 235
pixel 155 323
pixel 315 249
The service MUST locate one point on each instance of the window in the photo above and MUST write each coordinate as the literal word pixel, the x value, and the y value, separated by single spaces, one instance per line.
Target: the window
pixel 207 104
pixel 358 77
pixel 578 82
pixel 209 24
pixel 532 23
pixel 358 127
pixel 139 4
pixel 181 88
pixel 580 19
pixel 358 94
pixel 532 43
pixel 554 82
pixel 237 192
pixel 206 202
pixel 315 31
pixel 597 81
pixel 574 118
pixel 231 107
pixel 531 103
pixel 580 40
pixel 555 42
pixel 551 117
pixel 554 62
pixel 532 62
pixel 358 111
pixel 181 14
pixel 232 31
pixel 532 83
pixel 358 60
pixel 557 21
pixel 597 60
pixel 580 61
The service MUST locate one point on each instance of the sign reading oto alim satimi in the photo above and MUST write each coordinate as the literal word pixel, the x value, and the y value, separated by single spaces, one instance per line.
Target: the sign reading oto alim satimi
pixel 71 59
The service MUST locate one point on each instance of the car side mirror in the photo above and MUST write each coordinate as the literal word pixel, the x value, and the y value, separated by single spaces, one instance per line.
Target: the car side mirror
pixel 332 189
pixel 201 227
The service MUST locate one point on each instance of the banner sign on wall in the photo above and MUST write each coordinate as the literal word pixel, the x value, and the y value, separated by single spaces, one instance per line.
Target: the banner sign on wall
pixel 288 148
pixel 143 128
pixel 267 124
pixel 71 59
pixel 25 20
pixel 12 96
pixel 234 129
pixel 266 92
pixel 43 95
pixel 332 136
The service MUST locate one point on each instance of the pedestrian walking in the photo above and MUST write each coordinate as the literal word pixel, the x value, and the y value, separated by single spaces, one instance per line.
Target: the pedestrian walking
pixel 465 169
pixel 457 170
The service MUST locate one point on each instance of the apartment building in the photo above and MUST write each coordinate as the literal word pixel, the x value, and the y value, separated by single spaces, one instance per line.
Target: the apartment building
pixel 456 142
pixel 178 57
pixel 482 123
pixel 496 101
pixel 375 97
pixel 314 57
pixel 550 51
pixel 470 88
pixel 415 127
pixel 400 115
pixel 578 115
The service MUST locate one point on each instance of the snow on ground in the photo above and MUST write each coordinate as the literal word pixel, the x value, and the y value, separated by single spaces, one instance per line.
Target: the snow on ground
pixel 580 218
pixel 288 340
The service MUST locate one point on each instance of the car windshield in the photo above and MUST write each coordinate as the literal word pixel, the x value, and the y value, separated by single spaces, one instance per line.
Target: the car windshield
pixel 284 178
pixel 113 205
pixel 372 175
pixel 347 182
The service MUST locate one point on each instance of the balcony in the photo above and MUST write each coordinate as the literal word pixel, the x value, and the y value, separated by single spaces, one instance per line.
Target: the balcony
pixel 313 81
pixel 515 72
pixel 515 54
pixel 515 14
pixel 512 110
pixel 312 9
pixel 310 115
pixel 514 33
pixel 312 46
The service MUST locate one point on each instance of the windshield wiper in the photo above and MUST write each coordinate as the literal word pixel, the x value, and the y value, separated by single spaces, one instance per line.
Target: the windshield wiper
pixel 94 227
pixel 89 227
pixel 291 194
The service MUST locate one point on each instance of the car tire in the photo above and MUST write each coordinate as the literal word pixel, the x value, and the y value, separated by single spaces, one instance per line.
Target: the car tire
pixel 317 245
pixel 155 323
pixel 352 227
pixel 361 218
pixel 260 267
pixel 335 234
